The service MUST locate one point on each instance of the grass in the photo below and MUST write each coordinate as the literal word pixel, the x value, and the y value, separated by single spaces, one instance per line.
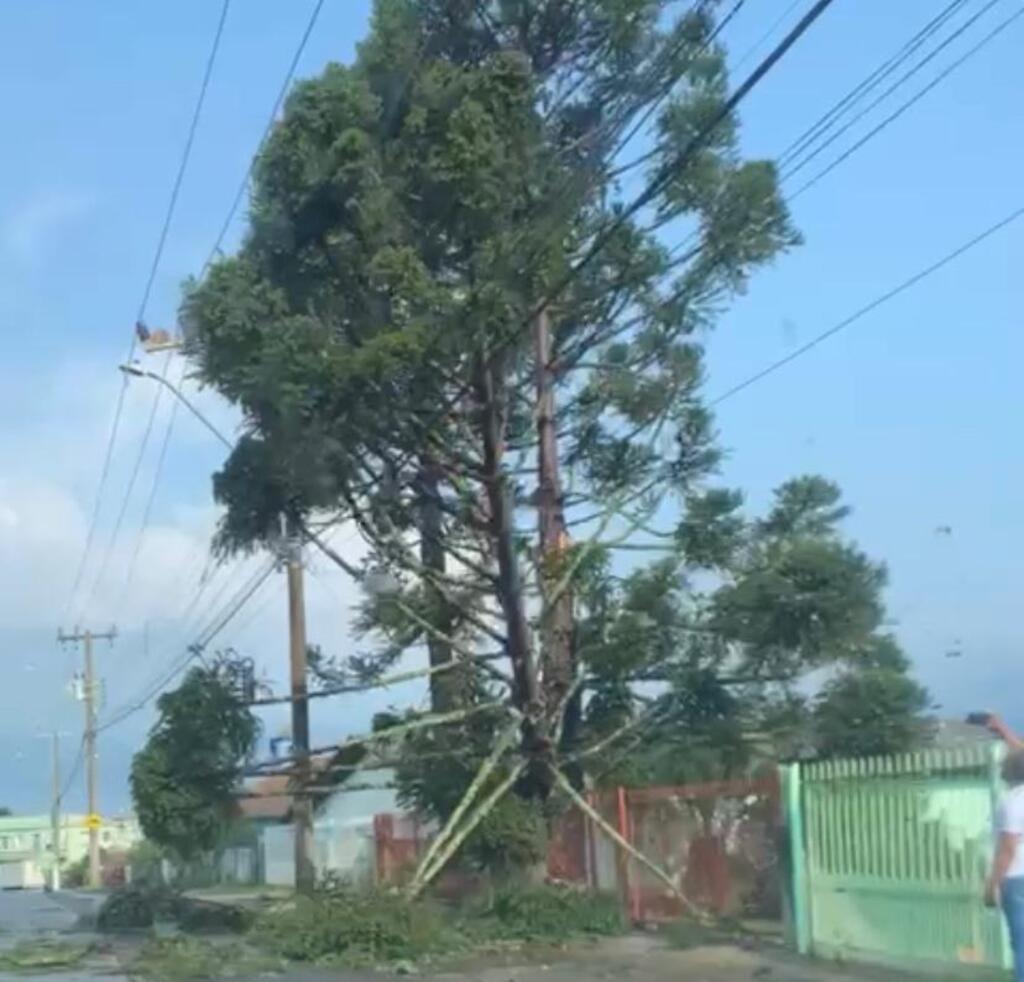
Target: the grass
pixel 190 958
pixel 36 956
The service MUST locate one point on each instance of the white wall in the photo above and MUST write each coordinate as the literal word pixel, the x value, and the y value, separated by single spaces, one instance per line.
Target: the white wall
pixel 343 837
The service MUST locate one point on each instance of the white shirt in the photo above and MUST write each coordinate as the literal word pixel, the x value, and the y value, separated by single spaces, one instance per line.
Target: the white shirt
pixel 1010 818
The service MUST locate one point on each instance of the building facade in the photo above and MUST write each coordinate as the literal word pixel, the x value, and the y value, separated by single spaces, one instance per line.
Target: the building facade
pixel 27 848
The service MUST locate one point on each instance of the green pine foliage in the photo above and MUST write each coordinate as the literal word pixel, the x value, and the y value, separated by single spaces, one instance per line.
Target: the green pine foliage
pixel 184 779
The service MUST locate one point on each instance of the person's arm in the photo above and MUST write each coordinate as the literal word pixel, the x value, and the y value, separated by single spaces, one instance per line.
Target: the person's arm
pixel 1006 849
pixel 1001 730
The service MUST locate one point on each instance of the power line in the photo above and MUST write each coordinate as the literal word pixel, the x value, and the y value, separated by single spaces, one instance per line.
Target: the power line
pixel 192 652
pixel 176 190
pixel 76 766
pixel 892 117
pixel 863 88
pixel 660 180
pixel 151 498
pixel 868 308
pixel 668 170
pixel 143 303
pixel 746 56
pixel 866 85
pixel 191 649
pixel 278 102
pixel 236 201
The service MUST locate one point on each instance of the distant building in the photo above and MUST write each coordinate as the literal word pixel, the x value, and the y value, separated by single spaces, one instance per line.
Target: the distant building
pixel 344 810
pixel 949 733
pixel 26 845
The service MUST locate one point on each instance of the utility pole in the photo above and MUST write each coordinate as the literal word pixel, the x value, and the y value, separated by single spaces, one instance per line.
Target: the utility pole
pixel 302 805
pixel 557 622
pixel 86 639
pixel 56 789
pixel 55 816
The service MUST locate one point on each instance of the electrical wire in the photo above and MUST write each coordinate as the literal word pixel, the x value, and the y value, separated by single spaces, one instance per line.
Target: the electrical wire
pixel 191 653
pixel 278 102
pixel 76 766
pixel 748 54
pixel 869 307
pixel 196 647
pixel 140 316
pixel 864 88
pixel 151 497
pixel 236 201
pixel 892 117
pixel 660 180
pixel 908 48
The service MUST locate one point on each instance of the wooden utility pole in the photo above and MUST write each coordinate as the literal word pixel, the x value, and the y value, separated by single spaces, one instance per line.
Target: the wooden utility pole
pixel 302 805
pixel 86 639
pixel 557 621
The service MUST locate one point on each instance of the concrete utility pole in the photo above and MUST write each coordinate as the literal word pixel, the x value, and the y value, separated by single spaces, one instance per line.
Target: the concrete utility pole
pixel 302 806
pixel 86 639
pixel 56 790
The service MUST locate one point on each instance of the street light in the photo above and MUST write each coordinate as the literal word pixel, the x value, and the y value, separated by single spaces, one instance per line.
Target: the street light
pixel 136 372
pixel 304 870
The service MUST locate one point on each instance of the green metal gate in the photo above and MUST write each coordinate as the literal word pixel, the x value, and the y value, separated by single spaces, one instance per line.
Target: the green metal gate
pixel 889 855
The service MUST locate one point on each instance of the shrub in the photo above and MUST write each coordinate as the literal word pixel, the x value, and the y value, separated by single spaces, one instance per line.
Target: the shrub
pixel 75 874
pixel 363 929
pixel 550 913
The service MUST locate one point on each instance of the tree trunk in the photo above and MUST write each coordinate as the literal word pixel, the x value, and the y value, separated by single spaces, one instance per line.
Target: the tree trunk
pixel 490 395
pixel 444 686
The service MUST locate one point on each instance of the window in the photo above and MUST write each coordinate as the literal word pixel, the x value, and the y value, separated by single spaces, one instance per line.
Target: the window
pixel 5 842
pixel 37 841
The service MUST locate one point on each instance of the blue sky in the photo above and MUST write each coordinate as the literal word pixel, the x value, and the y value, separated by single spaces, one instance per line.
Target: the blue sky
pixel 913 410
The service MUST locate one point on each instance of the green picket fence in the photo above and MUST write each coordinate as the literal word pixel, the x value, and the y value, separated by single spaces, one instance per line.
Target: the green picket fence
pixel 888 858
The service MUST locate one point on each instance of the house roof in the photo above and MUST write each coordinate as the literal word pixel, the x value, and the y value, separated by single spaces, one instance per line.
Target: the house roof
pixel 956 733
pixel 267 798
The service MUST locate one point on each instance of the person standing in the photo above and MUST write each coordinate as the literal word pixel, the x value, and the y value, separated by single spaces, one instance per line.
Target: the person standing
pixel 1005 884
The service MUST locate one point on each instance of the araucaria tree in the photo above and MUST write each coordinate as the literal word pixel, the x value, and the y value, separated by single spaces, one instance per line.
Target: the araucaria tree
pixel 468 316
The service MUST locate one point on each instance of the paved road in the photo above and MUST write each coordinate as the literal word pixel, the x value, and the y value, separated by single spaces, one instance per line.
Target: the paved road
pixel 28 912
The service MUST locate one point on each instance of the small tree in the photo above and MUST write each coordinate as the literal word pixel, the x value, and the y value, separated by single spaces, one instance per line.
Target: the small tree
pixel 872 707
pixel 183 780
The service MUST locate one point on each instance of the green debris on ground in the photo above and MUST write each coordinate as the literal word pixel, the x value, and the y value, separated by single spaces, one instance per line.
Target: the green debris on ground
pixel 40 955
pixel 385 929
pixel 548 913
pixel 194 958
pixel 357 929
pixel 139 907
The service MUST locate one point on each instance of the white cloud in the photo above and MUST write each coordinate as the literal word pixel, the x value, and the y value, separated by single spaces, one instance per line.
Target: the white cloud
pixel 31 228
pixel 55 424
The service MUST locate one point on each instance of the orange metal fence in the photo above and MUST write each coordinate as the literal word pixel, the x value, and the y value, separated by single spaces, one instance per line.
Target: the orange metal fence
pixel 718 842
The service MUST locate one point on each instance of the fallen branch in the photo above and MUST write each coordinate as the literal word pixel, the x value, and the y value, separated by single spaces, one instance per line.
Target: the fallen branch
pixel 486 768
pixel 566 785
pixel 477 817
pixel 436 719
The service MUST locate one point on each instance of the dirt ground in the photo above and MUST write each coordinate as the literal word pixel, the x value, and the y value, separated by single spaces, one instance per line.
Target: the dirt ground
pixel 645 958
pixel 638 958
pixel 641 958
